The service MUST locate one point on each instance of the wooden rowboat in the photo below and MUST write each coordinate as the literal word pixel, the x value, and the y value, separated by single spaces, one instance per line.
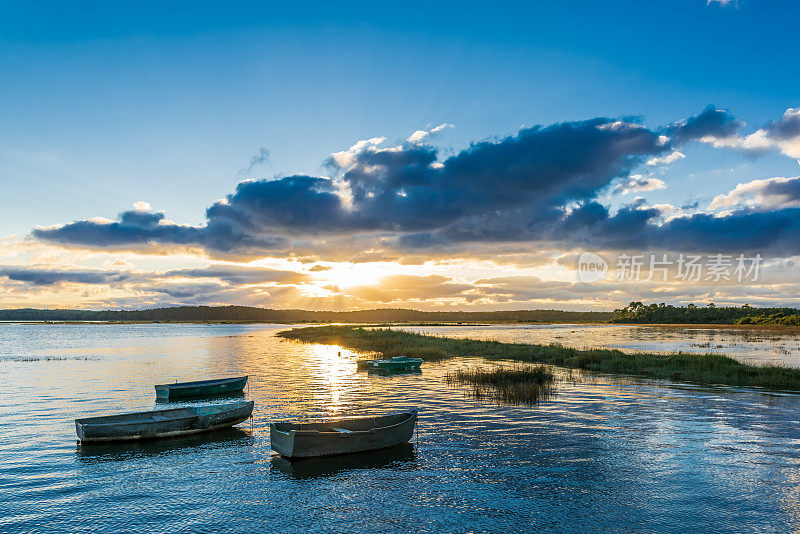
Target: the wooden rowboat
pixel 201 388
pixel 342 436
pixel 162 423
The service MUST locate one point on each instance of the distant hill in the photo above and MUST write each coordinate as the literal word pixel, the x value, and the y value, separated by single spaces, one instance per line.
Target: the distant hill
pixel 264 315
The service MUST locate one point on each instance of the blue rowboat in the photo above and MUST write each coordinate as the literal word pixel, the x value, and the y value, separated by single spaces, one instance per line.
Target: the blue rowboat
pixel 398 364
pixel 162 423
pixel 201 388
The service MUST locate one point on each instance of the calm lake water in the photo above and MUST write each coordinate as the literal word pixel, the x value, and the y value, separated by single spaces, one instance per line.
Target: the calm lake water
pixel 602 454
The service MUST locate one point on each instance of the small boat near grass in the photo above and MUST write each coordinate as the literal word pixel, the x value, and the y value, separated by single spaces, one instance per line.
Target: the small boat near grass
pixel 201 388
pixel 342 436
pixel 162 423
pixel 397 364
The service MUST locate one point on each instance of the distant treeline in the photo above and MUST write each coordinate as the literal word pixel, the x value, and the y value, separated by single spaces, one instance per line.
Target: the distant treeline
pixel 783 318
pixel 251 314
pixel 637 312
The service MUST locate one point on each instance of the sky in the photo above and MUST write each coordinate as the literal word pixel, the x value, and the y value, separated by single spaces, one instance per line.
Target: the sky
pixel 359 155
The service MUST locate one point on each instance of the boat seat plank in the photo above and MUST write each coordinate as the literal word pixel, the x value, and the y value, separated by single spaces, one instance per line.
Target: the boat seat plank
pixel 341 430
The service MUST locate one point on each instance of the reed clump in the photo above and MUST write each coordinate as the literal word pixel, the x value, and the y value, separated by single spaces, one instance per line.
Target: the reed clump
pixel 695 368
pixel 521 385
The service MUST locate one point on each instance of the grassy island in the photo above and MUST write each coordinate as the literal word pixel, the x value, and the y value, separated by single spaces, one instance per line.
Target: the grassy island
pixel 523 385
pixel 694 368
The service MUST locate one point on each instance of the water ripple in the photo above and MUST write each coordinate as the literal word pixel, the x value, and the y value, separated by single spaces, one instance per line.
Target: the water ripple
pixel 601 454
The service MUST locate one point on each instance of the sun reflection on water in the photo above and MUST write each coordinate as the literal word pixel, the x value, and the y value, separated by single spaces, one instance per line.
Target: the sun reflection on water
pixel 335 365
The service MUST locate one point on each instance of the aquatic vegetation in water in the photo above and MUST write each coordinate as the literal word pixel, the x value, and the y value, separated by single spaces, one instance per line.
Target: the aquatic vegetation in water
pixel 521 385
pixel 49 359
pixel 694 368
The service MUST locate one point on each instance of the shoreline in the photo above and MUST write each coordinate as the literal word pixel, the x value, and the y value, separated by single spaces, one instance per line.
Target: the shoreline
pixel 703 369
pixel 706 326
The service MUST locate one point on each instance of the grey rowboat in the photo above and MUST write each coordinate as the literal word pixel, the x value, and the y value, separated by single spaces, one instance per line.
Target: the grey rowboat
pixel 162 423
pixel 342 436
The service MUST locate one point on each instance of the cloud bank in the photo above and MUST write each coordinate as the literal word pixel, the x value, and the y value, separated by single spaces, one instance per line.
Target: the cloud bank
pixel 541 185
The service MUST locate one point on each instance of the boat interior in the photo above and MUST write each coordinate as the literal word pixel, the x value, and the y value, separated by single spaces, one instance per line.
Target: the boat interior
pixel 154 416
pixel 359 424
pixel 202 382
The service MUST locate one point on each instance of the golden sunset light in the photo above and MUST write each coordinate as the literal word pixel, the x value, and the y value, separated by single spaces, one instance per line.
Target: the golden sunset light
pixel 399 267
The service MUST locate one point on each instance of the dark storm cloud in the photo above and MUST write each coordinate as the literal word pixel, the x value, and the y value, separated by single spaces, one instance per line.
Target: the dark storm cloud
pixel 140 219
pixel 48 277
pixel 133 227
pixel 711 122
pixel 775 232
pixel 555 225
pixel 137 227
pixel 188 292
pixel 787 127
pixel 632 227
pixel 788 189
pixel 398 189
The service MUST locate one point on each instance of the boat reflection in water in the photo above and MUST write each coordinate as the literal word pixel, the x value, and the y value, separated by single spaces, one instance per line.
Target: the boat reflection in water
pixel 198 400
pixel 127 450
pixel 391 372
pixel 398 457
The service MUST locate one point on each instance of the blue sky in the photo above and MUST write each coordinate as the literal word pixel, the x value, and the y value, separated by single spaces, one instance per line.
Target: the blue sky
pixel 102 106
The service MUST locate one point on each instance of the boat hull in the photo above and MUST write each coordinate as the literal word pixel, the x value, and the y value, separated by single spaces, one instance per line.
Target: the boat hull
pixel 342 436
pixel 204 388
pixel 162 423
pixel 395 365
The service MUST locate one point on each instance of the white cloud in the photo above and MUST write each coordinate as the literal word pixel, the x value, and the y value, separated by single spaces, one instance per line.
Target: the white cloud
pixel 638 183
pixel 421 135
pixel 100 220
pixel 346 158
pixel 666 210
pixel 766 194
pixel 666 160
pixel 782 135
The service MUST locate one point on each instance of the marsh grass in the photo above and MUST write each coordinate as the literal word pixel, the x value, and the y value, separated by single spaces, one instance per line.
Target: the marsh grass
pixel 521 385
pixel 693 368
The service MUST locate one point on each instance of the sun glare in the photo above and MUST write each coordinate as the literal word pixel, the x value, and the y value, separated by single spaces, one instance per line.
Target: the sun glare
pixel 348 275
